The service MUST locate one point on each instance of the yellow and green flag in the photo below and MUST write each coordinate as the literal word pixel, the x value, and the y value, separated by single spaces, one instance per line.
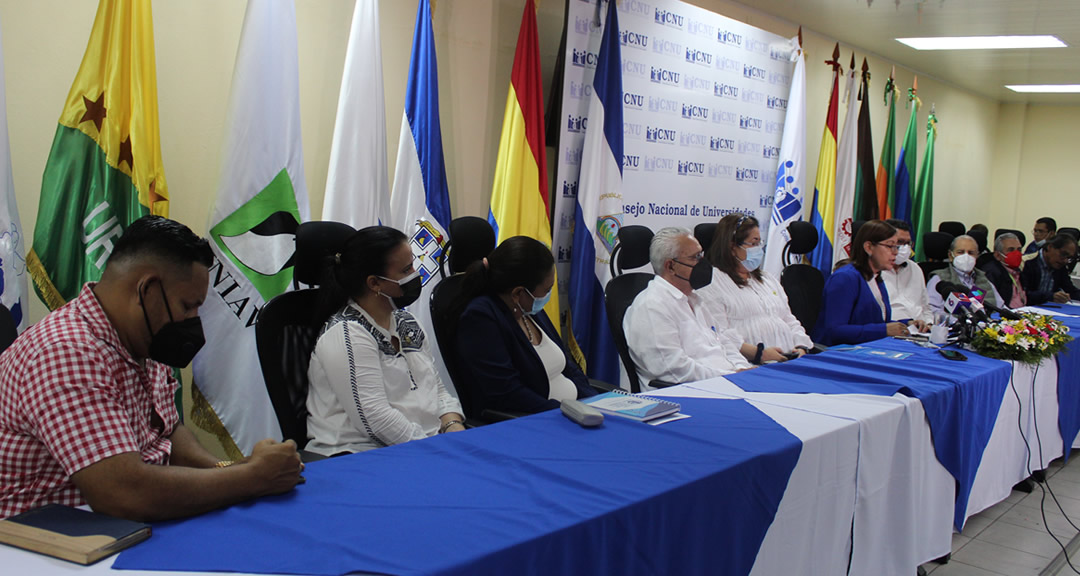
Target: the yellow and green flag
pixel 519 198
pixel 104 170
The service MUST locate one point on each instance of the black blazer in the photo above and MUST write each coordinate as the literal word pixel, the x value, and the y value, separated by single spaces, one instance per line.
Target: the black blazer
pixel 501 365
pixel 1029 279
pixel 998 276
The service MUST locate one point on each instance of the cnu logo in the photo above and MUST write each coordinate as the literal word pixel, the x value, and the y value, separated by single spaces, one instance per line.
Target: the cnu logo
pixel 662 76
pixel 746 175
pixel 659 135
pixel 770 152
pixel 691 168
pixel 569 189
pixel 668 18
pixel 631 162
pixel 750 123
pixel 635 7
pixel 776 103
pixel 726 91
pixel 698 57
pixel 634 40
pixel 695 112
pixel 729 38
pixel 721 144
pixel 754 73
pixel 583 58
pixel 576 123
pixel 635 101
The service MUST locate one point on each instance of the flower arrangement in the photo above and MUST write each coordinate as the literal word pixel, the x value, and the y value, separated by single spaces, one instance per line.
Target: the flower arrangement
pixel 1027 340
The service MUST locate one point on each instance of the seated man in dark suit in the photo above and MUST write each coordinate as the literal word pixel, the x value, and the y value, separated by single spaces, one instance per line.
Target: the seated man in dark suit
pixel 1045 277
pixel 1003 270
pixel 87 408
pixel 1044 229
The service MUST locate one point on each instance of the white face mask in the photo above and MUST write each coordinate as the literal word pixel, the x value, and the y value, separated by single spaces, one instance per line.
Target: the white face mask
pixel 964 263
pixel 903 254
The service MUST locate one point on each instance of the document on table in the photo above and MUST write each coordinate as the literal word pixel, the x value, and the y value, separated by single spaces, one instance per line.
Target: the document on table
pixel 877 352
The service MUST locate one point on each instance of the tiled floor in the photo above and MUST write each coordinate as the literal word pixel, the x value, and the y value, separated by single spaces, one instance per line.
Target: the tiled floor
pixel 1010 539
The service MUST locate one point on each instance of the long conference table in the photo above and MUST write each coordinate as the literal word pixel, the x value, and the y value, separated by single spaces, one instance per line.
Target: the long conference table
pixel 842 463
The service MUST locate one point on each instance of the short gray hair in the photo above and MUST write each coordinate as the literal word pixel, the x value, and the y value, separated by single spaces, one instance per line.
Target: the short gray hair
pixel 952 247
pixel 1002 238
pixel 665 246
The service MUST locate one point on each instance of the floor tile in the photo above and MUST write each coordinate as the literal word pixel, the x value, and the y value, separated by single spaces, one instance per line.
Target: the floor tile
pixel 994 512
pixel 976 524
pixel 1020 538
pixel 999 560
pixel 958 541
pixel 1030 517
pixel 955 568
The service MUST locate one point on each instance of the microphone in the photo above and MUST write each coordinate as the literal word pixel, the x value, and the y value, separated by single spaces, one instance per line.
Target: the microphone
pixel 979 298
pixel 958 301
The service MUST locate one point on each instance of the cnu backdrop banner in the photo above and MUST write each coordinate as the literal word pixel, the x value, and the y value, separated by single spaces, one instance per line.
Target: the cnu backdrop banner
pixel 704 99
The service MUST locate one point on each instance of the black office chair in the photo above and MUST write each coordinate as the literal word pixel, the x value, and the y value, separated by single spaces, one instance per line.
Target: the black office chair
pixel 288 327
pixel 936 250
pixel 952 227
pixel 1074 232
pixel 705 232
pixel 631 252
pixel 855 225
pixel 8 330
pixel 1019 235
pixel 803 283
pixel 985 255
pixel 471 239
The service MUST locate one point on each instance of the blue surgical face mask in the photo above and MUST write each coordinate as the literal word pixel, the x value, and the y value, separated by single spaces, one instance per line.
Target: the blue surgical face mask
pixel 539 303
pixel 754 256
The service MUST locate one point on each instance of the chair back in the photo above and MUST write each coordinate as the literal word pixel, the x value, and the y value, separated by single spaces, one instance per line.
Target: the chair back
pixel 288 326
pixel 804 286
pixel 445 322
pixel 952 227
pixel 632 250
pixel 980 239
pixel 1020 235
pixel 704 233
pixel 855 227
pixel 471 239
pixel 9 331
pixel 936 245
pixel 803 238
pixel 619 294
pixel 1074 232
pixel 285 335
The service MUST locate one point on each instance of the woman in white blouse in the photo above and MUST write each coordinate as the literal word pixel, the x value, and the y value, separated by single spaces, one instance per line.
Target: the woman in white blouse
pixel 747 300
pixel 373 382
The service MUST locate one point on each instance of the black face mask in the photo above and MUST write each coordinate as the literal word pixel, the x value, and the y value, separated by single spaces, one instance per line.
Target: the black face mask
pixel 700 273
pixel 176 343
pixel 410 289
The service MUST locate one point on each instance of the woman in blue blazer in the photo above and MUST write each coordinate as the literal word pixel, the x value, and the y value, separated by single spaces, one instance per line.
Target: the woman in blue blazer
pixel 851 312
pixel 507 348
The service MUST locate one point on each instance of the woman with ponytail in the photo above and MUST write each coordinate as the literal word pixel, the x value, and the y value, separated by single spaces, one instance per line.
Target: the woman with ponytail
pixel 507 347
pixel 373 381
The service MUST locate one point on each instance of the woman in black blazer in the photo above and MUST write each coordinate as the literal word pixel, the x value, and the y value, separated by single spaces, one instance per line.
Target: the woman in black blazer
pixel 508 350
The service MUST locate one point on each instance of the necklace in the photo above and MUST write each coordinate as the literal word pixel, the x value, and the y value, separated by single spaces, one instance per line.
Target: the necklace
pixel 528 328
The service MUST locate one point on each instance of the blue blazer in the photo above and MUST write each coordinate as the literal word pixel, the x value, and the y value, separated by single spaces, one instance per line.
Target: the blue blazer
pixel 500 363
pixel 849 313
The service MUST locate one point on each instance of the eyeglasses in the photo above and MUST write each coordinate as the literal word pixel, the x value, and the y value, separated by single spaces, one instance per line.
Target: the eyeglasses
pixel 694 257
pixel 893 247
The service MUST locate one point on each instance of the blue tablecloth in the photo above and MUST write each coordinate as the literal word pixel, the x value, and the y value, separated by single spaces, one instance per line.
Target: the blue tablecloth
pixel 1068 389
pixel 538 495
pixel 961 399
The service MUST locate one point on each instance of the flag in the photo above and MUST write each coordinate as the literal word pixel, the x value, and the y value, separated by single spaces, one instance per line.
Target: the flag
pixel 420 201
pixel 866 207
pixel 846 171
pixel 823 215
pixel 599 213
pixel 519 197
pixel 357 186
pixel 104 169
pixel 905 167
pixel 261 199
pixel 13 290
pixel 886 178
pixel 791 167
pixel 922 212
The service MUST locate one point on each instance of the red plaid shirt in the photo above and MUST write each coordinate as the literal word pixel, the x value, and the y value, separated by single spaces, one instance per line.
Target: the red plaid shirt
pixel 71 395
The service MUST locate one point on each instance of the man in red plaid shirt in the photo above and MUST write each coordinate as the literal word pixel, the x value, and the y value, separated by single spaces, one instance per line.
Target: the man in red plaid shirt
pixel 87 412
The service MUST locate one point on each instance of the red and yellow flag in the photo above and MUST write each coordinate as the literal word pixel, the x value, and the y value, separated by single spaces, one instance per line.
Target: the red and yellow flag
pixel 519 197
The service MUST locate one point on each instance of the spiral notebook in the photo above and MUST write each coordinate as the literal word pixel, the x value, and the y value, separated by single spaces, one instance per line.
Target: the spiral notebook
pixel 626 405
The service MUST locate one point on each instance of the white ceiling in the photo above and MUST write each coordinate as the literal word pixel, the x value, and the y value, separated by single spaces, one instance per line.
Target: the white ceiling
pixel 986 72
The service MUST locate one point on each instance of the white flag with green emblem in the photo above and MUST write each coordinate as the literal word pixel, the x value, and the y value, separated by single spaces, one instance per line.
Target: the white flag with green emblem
pixel 260 202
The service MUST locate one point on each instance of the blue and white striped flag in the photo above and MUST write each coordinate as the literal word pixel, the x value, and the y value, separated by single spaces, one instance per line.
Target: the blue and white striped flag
pixel 420 201
pixel 599 213
pixel 13 289
pixel 791 169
